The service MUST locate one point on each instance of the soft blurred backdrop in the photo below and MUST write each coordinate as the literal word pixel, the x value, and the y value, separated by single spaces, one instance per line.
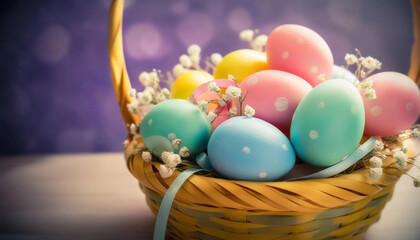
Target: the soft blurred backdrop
pixel 56 93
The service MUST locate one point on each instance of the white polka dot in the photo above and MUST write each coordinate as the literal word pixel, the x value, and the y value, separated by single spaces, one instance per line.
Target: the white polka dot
pixel 409 106
pixel 281 104
pixel 285 55
pixel 262 175
pixel 143 41
pixel 376 111
pixel 284 146
pixel 171 135
pixel 353 110
pixel 321 104
pixel 313 134
pixel 314 69
pixel 252 81
pixel 299 40
pixel 150 122
pixel 52 44
pixel 246 150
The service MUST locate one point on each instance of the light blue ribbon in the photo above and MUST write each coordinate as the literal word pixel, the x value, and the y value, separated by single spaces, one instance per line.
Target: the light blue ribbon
pixel 165 206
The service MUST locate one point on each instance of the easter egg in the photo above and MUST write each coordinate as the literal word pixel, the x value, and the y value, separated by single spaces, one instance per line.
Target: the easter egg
pixel 396 107
pixel 171 119
pixel 299 50
pixel 328 123
pixel 240 64
pixel 185 84
pixel 250 149
pixel 342 73
pixel 275 96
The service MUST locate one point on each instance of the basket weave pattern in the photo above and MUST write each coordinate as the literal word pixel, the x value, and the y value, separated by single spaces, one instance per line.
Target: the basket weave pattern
pixel 342 207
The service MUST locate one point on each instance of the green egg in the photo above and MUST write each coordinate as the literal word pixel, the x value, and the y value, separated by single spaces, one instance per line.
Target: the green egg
pixel 328 123
pixel 171 119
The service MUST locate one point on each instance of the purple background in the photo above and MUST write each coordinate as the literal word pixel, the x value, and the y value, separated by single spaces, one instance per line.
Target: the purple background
pixel 56 93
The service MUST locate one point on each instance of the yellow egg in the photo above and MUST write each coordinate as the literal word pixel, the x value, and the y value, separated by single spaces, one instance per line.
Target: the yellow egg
pixel 240 64
pixel 185 84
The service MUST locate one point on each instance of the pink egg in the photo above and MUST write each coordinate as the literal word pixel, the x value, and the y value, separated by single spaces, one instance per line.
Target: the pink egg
pixel 274 95
pixel 299 50
pixel 396 107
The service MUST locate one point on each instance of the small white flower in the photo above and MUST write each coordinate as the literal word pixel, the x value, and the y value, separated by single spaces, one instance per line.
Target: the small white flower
pixel 233 111
pixel 125 143
pixel 222 101
pixel 261 40
pixel 185 61
pixel 213 87
pixel 160 98
pixel 133 129
pixel 203 106
pixel 178 70
pixel 350 59
pixel 378 145
pixel 375 162
pixel 371 63
pixel 246 35
pixel 233 92
pixel 165 171
pixel 416 182
pixel 249 111
pixel 370 94
pixel 321 77
pixel 176 142
pixel 165 155
pixel 154 78
pixel 231 78
pixel 366 85
pixel 362 74
pixel 144 97
pixel 134 143
pixel 194 50
pixel 132 93
pixel 216 58
pixel 401 160
pixel 375 173
pixel 147 156
pixel 145 79
pixel 184 152
pixel 173 160
pixel 211 116
pixel 416 133
pixel 166 92
pixel 195 60
pixel 133 107
pixel 150 91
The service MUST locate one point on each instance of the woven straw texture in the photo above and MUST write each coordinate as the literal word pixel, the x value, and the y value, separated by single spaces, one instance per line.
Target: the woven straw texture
pixel 342 207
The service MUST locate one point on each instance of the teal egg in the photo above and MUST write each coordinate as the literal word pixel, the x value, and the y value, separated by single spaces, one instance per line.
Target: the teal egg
pixel 175 118
pixel 328 123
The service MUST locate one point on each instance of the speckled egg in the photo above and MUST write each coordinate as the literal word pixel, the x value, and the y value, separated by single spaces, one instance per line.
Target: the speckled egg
pixel 328 123
pixel 275 96
pixel 396 107
pixel 250 149
pixel 175 118
pixel 299 50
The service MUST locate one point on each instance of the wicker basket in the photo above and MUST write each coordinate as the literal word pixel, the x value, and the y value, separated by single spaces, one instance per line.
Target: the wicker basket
pixel 342 207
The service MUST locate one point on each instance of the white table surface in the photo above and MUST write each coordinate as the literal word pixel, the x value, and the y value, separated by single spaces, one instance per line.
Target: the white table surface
pixel 93 196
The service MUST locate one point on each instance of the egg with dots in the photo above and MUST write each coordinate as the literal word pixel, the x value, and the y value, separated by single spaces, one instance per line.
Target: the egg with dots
pixel 240 64
pixel 175 119
pixel 328 123
pixel 250 149
pixel 299 50
pixel 275 96
pixel 185 84
pixel 396 107
pixel 202 93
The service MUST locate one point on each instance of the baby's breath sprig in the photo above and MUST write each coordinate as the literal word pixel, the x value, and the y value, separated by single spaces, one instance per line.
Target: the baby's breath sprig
pixel 257 42
pixel 171 160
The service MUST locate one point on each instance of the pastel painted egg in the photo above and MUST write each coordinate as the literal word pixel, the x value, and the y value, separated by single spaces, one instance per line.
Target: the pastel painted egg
pixel 240 64
pixel 250 149
pixel 175 118
pixel 275 96
pixel 328 123
pixel 185 84
pixel 396 107
pixel 342 73
pixel 299 50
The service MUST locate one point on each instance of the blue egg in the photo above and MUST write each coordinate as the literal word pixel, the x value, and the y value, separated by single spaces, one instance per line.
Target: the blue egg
pixel 175 118
pixel 244 148
pixel 342 73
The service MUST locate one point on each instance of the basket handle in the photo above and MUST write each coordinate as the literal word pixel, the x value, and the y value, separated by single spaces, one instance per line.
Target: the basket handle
pixel 117 61
pixel 414 72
